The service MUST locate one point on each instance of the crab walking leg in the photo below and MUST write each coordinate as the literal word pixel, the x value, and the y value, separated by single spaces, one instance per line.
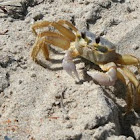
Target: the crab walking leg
pixel 127 60
pixel 40 44
pixel 62 22
pixel 66 32
pixel 55 39
pixel 49 38
pixel 129 97
pixel 132 78
pixel 136 83
pixel 45 50
pixel 120 76
pixel 36 48
pixel 108 78
pixel 129 94
pixel 137 101
pixel 68 64
pixel 39 25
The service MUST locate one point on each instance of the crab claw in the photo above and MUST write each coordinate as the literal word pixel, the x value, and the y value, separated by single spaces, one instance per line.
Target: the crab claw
pixel 106 79
pixel 69 66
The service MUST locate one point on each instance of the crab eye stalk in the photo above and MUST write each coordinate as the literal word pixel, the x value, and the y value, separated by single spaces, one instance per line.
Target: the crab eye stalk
pixel 78 36
pixel 83 35
pixel 97 39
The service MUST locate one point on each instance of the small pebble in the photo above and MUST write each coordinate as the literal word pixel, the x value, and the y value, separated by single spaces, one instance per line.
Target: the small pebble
pixel 19 28
pixel 74 104
pixel 130 9
pixel 48 108
pixel 127 1
pixel 80 1
pixel 25 59
pixel 10 19
pixel 1 94
pixel 24 67
pixel 14 68
pixel 57 96
pixel 20 81
pixel 38 16
pixel 27 20
pixel 117 0
pixel 22 63
pixel 57 103
pixel 135 17
pixel 11 92
pixel 135 47
pixel 69 125
pixel 130 138
pixel 66 117
pixel 105 4
pixel 33 75
pixel 14 52
pixel 51 111
pixel 103 32
pixel 32 67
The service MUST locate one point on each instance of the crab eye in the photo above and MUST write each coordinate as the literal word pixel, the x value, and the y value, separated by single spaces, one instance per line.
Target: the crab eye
pixel 83 35
pixel 97 39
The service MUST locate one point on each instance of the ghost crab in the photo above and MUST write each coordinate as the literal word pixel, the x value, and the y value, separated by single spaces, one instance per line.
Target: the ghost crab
pixel 97 50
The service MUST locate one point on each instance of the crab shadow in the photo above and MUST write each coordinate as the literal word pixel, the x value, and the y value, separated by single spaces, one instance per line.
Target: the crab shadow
pixel 50 64
pixel 51 61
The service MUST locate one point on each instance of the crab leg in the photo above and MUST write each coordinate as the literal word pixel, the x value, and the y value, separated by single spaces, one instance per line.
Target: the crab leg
pixel 55 39
pixel 135 82
pixel 45 50
pixel 121 77
pixel 129 96
pixel 68 64
pixel 127 60
pixel 66 32
pixel 130 60
pixel 62 22
pixel 40 45
pixel 108 78
pixel 39 25
pixel 49 38
pixel 36 48
pixel 132 78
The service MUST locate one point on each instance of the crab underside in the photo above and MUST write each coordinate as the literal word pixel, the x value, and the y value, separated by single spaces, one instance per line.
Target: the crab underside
pixel 95 49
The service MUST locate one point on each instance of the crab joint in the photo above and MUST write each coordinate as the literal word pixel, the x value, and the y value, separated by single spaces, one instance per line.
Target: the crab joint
pixel 106 79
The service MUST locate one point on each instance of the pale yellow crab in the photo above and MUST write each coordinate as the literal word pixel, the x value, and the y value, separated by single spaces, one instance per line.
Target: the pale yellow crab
pixel 97 50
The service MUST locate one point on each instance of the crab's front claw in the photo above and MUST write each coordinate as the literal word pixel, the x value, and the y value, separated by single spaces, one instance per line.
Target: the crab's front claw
pixel 106 79
pixel 69 66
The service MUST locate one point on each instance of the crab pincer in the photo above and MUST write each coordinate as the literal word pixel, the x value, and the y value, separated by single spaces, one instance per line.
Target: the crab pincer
pixel 69 66
pixel 106 79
